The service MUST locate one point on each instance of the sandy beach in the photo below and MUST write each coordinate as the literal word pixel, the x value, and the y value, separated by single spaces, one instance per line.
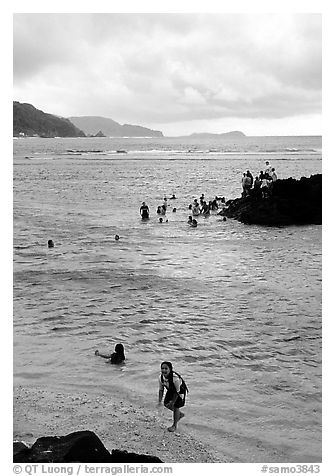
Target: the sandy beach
pixel 119 424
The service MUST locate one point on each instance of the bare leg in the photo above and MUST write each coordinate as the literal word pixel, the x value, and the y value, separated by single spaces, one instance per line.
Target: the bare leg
pixel 177 415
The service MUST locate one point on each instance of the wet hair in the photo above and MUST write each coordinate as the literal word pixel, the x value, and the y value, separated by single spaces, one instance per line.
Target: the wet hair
pixel 170 376
pixel 119 350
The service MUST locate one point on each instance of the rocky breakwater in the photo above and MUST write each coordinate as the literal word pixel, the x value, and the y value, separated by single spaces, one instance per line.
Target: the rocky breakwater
pixel 290 202
pixel 77 447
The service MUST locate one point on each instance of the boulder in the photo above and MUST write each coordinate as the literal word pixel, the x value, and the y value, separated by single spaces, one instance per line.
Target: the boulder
pixel 291 202
pixel 77 447
pixel 119 456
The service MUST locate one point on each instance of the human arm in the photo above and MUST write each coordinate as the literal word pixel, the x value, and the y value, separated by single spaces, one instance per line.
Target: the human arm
pixel 105 356
pixel 160 390
pixel 160 395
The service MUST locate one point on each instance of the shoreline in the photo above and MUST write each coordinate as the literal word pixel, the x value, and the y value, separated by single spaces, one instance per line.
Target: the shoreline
pixel 118 423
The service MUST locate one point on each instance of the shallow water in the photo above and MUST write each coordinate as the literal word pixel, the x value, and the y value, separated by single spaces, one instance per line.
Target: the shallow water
pixel 236 308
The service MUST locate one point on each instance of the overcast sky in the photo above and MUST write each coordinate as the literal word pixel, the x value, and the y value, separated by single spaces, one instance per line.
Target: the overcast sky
pixel 178 73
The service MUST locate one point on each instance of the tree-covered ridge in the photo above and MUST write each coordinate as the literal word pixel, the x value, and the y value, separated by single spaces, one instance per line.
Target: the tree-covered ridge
pixel 29 121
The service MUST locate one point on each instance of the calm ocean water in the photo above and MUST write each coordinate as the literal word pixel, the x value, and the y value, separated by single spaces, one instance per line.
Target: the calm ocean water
pixel 236 308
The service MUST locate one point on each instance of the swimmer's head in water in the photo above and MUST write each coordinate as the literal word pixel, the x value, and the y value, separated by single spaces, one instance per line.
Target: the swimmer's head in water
pixel 166 368
pixel 161 220
pixel 50 244
pixel 119 348
pixel 117 237
pixel 174 210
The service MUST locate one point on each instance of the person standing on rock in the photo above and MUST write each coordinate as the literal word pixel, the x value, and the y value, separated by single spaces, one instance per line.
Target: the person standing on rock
pixel 174 398
pixel 268 168
pixel 244 179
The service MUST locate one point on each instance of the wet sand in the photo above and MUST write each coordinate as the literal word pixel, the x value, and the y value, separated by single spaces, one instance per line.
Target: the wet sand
pixel 119 424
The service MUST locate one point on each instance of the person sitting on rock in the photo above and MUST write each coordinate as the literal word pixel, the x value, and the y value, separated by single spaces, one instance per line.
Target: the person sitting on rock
pixel 117 357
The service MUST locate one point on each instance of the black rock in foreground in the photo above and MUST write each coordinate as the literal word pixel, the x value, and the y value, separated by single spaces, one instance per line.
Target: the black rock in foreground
pixel 77 447
pixel 291 202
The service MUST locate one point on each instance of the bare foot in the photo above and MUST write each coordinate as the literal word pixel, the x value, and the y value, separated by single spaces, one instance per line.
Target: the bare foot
pixel 172 428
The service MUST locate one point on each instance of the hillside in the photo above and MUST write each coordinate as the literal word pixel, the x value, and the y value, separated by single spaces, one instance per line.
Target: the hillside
pixel 29 121
pixel 91 125
pixel 208 135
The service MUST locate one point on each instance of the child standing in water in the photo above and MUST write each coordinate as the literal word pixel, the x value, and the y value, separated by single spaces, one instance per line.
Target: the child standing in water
pixel 174 399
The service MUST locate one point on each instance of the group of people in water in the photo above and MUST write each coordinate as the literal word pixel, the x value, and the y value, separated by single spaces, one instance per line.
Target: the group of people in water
pixel 201 207
pixel 261 186
pixel 169 382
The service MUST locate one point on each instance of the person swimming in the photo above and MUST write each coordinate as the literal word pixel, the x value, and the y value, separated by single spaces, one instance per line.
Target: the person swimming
pixel 117 357
pixel 51 244
pixel 194 223
pixel 189 221
pixel 117 237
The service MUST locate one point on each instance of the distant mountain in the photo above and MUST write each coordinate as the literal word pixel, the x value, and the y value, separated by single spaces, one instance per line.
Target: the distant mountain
pixel 91 125
pixel 29 121
pixel 208 135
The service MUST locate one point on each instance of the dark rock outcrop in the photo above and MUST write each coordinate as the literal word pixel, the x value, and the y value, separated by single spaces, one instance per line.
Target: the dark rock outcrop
pixel 291 202
pixel 29 121
pixel 78 447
